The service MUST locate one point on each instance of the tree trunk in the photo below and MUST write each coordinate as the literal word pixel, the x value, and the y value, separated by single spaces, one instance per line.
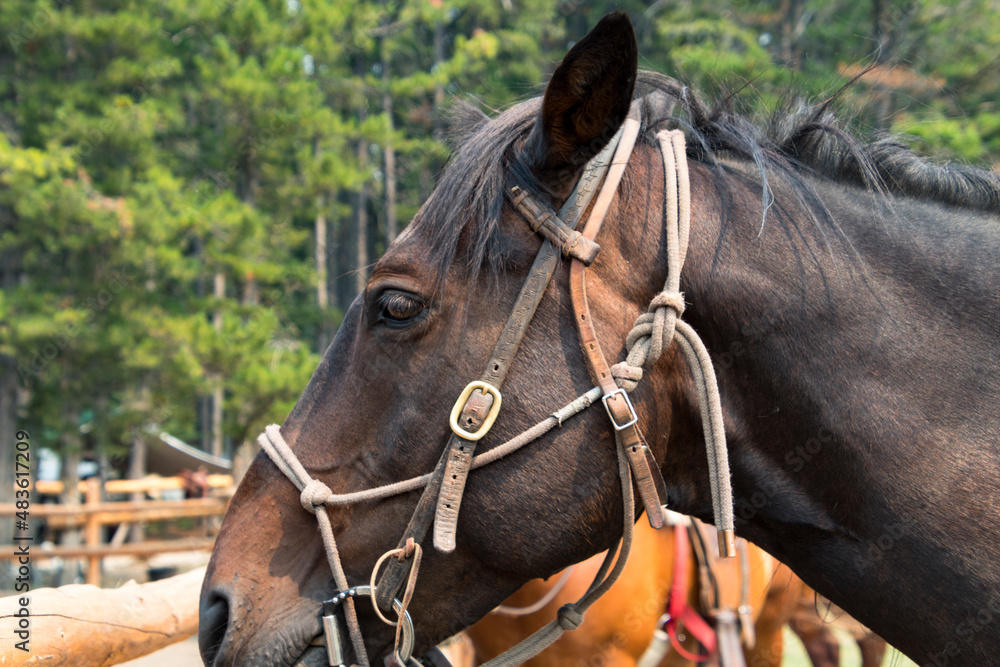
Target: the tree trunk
pixel 8 396
pixel 390 150
pixel 8 437
pixel 791 18
pixel 204 406
pixel 137 461
pixel 322 294
pixel 391 225
pixel 219 292
pixel 361 222
pixel 9 271
pixel 438 86
pixel 242 458
pixel 101 438
pixel 205 421
pixel 72 456
pixel 882 35
pixel 137 470
pixel 322 289
pixel 251 291
pixel 879 31
pixel 342 257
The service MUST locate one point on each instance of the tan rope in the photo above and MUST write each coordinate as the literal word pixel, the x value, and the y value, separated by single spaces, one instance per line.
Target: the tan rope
pixel 654 330
pixel 541 603
pixel 314 495
pixel 271 438
pixel 570 615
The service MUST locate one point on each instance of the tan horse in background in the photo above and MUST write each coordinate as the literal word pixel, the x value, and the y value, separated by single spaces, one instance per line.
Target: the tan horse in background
pixel 620 626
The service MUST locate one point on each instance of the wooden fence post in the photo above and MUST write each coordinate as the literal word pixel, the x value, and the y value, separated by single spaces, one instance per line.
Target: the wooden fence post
pixel 93 532
pixel 82 625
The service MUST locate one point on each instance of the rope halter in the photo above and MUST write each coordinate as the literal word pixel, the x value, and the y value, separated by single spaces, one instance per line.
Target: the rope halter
pixel 652 333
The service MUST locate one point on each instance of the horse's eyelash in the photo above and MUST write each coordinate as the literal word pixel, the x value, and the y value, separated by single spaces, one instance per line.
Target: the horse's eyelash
pixel 396 300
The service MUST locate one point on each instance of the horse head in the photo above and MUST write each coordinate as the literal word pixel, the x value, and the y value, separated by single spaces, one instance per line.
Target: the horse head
pixel 845 413
pixel 377 408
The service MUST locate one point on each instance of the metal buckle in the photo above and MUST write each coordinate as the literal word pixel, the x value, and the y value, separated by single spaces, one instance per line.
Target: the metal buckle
pixel 628 402
pixel 335 634
pixel 463 398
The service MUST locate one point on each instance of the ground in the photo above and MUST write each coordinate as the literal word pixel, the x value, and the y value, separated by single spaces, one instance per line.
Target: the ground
pixel 183 654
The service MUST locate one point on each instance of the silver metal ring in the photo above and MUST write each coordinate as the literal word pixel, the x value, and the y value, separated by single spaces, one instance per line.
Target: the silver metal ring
pixel 407 639
pixel 633 417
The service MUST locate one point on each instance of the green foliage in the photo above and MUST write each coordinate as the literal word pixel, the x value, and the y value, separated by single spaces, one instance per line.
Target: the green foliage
pixel 148 148
pixel 944 136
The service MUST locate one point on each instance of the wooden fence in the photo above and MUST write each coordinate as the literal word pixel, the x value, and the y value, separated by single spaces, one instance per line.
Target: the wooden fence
pixel 94 514
pixel 82 625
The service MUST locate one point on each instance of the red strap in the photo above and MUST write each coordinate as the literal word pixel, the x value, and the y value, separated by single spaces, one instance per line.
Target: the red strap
pixel 678 610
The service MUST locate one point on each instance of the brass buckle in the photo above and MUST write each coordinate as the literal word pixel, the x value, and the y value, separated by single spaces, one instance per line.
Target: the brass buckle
pixel 628 402
pixel 463 398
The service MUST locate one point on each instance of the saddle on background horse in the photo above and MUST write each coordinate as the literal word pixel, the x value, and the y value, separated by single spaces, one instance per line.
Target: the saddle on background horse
pixel 721 627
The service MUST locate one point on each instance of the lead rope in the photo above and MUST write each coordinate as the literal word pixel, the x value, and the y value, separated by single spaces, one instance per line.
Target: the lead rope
pixel 654 330
pixel 541 603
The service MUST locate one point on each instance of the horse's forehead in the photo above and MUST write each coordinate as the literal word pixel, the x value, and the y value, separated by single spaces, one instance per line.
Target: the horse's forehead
pixel 407 256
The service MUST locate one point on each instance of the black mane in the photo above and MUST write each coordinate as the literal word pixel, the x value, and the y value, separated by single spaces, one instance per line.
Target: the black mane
pixel 792 144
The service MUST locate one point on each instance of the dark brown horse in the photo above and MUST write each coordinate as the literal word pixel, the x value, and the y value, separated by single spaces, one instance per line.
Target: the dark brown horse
pixel 853 314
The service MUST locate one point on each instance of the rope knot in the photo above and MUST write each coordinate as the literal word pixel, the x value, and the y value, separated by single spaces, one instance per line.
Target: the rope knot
pixel 652 333
pixel 672 300
pixel 314 494
pixel 570 617
pixel 626 375
pixel 408 550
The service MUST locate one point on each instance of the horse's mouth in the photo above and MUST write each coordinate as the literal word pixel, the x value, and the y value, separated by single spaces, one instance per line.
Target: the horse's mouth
pixel 314 656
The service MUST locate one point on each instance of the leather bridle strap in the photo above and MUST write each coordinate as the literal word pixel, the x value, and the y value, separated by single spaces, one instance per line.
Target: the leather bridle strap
pixel 679 612
pixel 442 497
pixel 648 478
pixel 460 450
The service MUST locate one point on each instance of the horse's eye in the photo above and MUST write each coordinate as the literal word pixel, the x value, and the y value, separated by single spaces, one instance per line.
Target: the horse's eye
pixel 398 309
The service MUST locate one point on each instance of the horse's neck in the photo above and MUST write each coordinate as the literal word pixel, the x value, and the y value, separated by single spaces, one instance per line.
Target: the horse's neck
pixel 857 415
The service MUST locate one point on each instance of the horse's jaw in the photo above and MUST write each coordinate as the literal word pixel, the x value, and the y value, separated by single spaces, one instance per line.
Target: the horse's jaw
pixel 314 656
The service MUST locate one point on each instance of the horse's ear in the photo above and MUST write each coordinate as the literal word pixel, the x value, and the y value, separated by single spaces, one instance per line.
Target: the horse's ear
pixel 587 98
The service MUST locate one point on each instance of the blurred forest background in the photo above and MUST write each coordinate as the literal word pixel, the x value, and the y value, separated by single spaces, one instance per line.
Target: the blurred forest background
pixel 191 191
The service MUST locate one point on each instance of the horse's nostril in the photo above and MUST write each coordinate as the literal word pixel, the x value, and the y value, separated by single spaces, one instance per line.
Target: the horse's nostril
pixel 212 625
